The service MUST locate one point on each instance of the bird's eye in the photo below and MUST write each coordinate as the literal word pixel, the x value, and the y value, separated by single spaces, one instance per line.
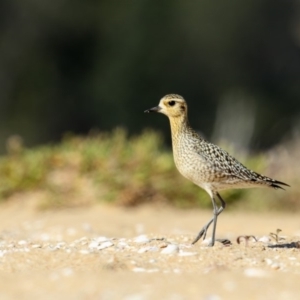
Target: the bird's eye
pixel 171 103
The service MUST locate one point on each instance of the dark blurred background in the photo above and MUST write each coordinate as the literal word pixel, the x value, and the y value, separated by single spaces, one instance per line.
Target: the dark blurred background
pixel 73 66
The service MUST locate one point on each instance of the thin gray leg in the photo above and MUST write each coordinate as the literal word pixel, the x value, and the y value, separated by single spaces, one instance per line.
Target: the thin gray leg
pixel 203 231
pixel 215 219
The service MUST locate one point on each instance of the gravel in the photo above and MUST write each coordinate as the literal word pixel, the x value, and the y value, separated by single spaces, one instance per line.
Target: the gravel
pixel 105 253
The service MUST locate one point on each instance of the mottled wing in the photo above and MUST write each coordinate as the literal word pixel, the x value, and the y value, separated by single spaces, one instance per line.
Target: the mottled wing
pixel 227 167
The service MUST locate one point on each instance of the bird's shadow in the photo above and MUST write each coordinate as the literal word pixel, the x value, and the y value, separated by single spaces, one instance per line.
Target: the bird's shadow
pixel 286 245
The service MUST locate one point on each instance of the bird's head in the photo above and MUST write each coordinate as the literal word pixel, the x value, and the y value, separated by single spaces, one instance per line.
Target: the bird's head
pixel 171 105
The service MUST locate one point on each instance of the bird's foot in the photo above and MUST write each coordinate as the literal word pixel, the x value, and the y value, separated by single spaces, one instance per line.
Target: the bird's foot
pixel 201 234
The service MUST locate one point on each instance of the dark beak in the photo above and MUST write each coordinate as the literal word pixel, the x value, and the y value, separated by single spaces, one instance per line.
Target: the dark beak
pixel 153 109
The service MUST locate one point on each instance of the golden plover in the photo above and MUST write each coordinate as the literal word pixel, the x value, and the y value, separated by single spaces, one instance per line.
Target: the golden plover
pixel 204 163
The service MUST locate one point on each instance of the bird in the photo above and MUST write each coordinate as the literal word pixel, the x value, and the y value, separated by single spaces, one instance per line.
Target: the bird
pixel 204 163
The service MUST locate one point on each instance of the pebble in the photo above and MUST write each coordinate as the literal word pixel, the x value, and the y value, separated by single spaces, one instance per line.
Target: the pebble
pixel 265 239
pixel 105 245
pixel 101 239
pixel 122 245
pixel 141 239
pixel 99 242
pixel 94 244
pixel 170 249
pixel 206 242
pixel 268 261
pixel 51 248
pixel 22 242
pixel 177 271
pixel 138 270
pixel 60 245
pixel 275 266
pixel 163 245
pixel 81 241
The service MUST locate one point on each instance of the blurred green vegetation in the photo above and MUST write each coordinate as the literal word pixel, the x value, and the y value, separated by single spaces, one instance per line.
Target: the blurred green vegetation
pixel 121 170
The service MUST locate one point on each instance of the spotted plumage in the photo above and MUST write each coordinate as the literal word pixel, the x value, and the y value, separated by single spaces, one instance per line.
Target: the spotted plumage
pixel 204 163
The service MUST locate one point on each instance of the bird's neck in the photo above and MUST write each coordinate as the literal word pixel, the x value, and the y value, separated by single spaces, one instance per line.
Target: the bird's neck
pixel 181 130
pixel 179 125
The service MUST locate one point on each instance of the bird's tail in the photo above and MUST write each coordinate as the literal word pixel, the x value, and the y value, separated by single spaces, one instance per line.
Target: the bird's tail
pixel 277 184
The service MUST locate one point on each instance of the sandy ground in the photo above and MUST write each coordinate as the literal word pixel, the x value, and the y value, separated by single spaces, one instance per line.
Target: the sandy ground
pixel 104 252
